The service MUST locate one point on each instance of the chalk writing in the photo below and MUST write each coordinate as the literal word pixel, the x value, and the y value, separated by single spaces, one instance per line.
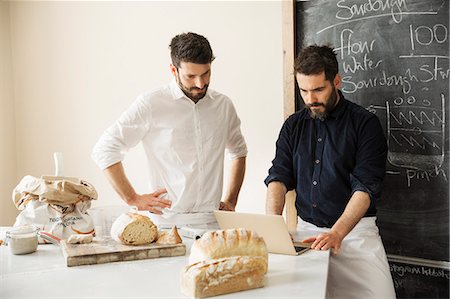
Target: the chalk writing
pixel 349 12
pixel 374 109
pixel 423 175
pixel 346 12
pixel 419 270
pixel 422 117
pixel 416 135
pixel 434 72
pixel 351 47
pixel 348 46
pixel 411 100
pixel 350 85
pixel 373 17
pixel 425 35
pixel 421 142
pixel 415 126
pixel 398 283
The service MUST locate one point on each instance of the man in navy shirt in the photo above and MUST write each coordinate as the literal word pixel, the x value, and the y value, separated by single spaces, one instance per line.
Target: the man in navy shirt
pixel 333 154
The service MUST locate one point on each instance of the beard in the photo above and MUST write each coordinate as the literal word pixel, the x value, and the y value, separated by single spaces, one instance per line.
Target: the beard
pixel 328 106
pixel 188 91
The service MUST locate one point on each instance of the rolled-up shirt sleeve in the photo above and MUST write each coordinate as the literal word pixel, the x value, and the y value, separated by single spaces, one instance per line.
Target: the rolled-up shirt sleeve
pixel 370 162
pixel 124 134
pixel 282 165
pixel 235 146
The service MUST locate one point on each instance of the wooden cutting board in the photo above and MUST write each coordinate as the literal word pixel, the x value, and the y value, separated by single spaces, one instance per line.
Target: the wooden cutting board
pixel 107 250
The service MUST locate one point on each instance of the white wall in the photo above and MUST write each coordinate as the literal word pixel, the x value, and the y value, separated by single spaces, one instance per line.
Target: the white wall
pixel 7 128
pixel 78 65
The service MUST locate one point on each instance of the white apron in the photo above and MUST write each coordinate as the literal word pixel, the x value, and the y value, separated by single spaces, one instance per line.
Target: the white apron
pixel 168 219
pixel 360 269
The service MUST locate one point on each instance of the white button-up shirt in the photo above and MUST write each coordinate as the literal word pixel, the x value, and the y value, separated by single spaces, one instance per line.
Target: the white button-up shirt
pixel 185 145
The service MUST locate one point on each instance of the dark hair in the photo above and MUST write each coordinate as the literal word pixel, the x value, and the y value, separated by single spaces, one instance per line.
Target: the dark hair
pixel 315 59
pixel 190 47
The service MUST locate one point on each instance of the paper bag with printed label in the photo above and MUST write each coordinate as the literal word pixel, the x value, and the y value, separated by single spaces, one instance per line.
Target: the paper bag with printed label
pixel 55 205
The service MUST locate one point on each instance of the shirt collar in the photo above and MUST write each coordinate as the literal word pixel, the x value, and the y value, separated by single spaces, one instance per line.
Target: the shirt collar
pixel 340 107
pixel 177 93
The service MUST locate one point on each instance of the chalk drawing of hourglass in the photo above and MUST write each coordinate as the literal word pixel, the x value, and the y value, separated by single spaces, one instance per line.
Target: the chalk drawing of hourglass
pixel 416 134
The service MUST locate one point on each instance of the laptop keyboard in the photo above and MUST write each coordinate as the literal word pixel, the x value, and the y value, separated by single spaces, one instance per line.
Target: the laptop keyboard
pixel 300 249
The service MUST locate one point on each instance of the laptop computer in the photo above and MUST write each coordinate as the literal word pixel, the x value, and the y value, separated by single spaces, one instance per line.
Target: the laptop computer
pixel 271 227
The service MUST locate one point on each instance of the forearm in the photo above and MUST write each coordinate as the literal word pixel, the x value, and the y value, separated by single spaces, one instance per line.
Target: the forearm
pixel 145 202
pixel 237 173
pixel 354 211
pixel 276 192
pixel 119 181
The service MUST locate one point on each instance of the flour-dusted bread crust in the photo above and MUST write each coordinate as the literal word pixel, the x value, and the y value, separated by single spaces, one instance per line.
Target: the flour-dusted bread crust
pixel 230 242
pixel 134 229
pixel 80 239
pixel 169 237
pixel 222 276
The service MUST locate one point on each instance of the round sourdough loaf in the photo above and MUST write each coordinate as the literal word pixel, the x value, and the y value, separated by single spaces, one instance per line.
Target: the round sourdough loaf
pixel 225 243
pixel 134 229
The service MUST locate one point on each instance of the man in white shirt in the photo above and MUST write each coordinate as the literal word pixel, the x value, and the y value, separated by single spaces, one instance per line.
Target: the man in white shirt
pixel 185 129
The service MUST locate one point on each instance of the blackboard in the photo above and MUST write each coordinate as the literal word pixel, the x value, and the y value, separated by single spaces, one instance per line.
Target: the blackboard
pixel 416 280
pixel 394 61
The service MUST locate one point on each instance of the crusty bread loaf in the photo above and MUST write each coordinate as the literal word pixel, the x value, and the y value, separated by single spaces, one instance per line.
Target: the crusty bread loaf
pixel 169 237
pixel 230 242
pixel 134 229
pixel 227 275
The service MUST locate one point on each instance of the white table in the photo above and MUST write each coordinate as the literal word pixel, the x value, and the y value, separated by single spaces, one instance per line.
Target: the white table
pixel 44 274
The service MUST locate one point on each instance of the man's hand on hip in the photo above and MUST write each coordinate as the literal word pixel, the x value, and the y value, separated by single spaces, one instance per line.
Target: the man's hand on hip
pixel 151 202
pixel 226 206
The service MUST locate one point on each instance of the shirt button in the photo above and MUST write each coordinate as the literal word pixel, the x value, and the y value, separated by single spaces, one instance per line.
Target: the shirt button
pixel 317 161
pixel 314 205
pixel 319 139
pixel 314 183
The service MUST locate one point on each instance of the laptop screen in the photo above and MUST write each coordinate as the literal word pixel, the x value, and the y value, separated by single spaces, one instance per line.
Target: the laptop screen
pixel 271 227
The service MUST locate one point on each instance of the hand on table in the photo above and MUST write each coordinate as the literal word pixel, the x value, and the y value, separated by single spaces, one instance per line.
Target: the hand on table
pixel 325 241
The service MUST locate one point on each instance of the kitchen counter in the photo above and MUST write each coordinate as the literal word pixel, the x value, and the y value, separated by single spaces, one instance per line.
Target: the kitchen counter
pixel 44 274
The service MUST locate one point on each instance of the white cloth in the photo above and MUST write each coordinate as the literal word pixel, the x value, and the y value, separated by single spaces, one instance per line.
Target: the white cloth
pixel 360 269
pixel 185 144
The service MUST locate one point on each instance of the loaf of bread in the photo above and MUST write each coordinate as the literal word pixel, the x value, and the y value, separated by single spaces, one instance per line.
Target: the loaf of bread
pixel 169 237
pixel 230 242
pixel 221 276
pixel 134 229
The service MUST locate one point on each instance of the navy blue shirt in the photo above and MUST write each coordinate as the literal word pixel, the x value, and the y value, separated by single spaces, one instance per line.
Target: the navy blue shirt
pixel 327 161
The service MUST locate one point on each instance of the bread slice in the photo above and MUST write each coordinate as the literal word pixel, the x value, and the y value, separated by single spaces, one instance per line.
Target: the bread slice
pixel 170 238
pixel 134 229
pixel 222 276
pixel 230 242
